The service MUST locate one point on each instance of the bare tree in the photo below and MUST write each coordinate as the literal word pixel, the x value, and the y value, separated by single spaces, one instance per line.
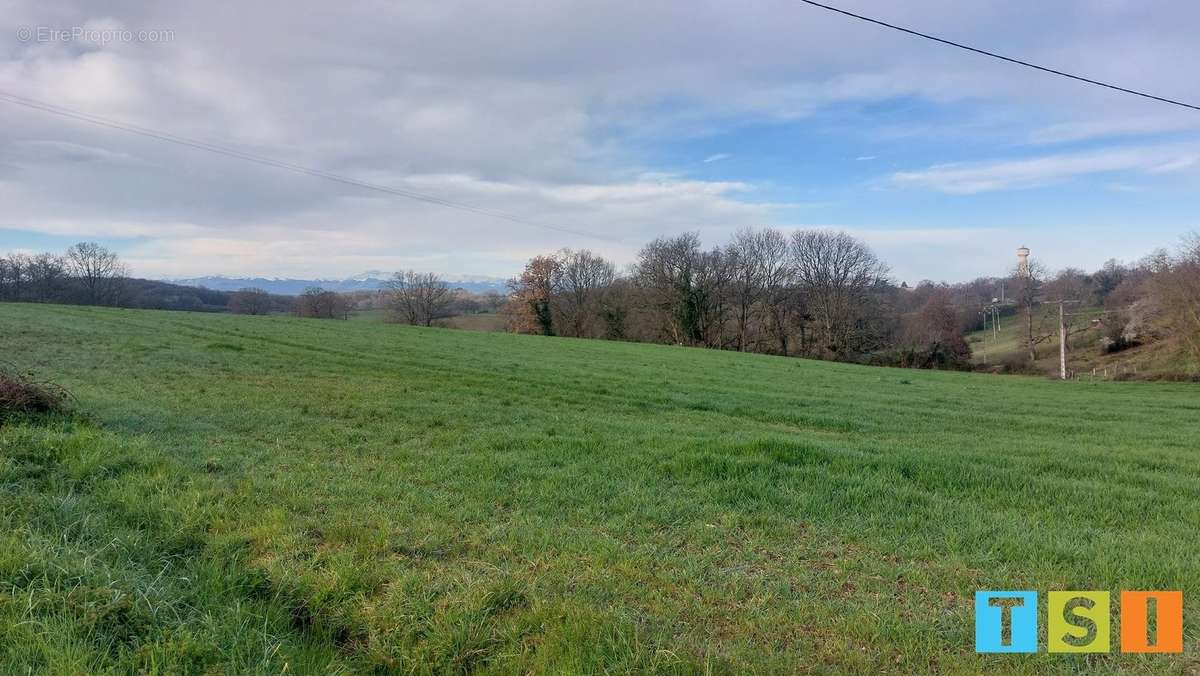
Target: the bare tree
pixel 99 271
pixel 710 296
pixel 667 270
pixel 14 277
pixel 42 278
pixel 746 285
pixel 1071 284
pixel 47 278
pixel 318 303
pixel 615 306
pixel 780 299
pixel 418 298
pixel 762 288
pixel 931 337
pixel 580 281
pixel 1027 288
pixel 250 301
pixel 1108 278
pixel 836 272
pixel 1175 288
pixel 493 300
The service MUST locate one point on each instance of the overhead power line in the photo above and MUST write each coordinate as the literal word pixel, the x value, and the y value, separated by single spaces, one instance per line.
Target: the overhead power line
pixel 994 55
pixel 280 164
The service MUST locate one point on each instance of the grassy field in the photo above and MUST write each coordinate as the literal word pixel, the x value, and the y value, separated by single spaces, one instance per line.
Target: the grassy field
pixel 483 321
pixel 269 494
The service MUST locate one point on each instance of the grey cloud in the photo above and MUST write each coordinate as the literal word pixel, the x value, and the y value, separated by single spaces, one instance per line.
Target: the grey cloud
pixel 528 107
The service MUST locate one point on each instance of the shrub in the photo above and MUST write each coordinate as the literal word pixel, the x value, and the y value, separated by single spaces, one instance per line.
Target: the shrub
pixel 952 355
pixel 1016 363
pixel 21 394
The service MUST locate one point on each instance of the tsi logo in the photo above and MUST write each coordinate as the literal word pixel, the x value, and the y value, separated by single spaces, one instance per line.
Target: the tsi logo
pixel 1078 622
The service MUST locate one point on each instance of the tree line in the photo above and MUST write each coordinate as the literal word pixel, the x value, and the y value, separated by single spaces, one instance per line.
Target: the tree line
pixel 825 294
pixel 87 274
pixel 810 293
pixel 90 274
pixel 813 293
pixel 409 297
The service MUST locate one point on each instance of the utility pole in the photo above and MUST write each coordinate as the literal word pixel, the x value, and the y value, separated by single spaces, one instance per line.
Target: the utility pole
pixel 986 312
pixel 1062 343
pixel 1062 338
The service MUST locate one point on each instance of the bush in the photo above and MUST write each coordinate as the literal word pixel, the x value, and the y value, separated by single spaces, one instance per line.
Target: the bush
pixel 21 394
pixel 1016 363
pixel 952 355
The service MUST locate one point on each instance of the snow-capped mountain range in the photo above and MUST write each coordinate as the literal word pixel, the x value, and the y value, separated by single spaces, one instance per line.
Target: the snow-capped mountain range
pixel 366 281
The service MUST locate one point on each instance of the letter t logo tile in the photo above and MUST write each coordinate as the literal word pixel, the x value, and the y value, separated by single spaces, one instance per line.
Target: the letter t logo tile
pixel 1006 621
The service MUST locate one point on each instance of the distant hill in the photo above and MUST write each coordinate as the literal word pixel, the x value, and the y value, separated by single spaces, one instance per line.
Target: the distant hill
pixel 367 281
pixel 158 295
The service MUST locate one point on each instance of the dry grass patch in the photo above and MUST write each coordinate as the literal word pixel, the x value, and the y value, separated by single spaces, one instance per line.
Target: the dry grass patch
pixel 22 394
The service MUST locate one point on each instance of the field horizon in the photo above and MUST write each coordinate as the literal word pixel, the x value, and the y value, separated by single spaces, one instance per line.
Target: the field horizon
pixel 276 494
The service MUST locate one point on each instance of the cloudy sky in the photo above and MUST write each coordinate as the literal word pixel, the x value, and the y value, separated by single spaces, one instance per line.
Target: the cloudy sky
pixel 606 123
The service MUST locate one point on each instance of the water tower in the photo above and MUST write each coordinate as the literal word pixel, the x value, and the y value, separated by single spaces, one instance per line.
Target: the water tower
pixel 1023 262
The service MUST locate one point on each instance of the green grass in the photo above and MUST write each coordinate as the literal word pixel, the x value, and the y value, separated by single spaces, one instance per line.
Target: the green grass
pixel 260 494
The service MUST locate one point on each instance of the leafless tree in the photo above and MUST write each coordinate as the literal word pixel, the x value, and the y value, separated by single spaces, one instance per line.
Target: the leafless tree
pixel 418 298
pixel 781 300
pixel 711 296
pixel 746 285
pixel 1108 278
pixel 931 337
pixel 250 301
pixel 615 308
pixel 1175 288
pixel 42 278
pixel 667 270
pixel 762 289
pixel 1070 284
pixel 14 277
pixel 836 272
pixel 47 277
pixel 492 300
pixel 580 283
pixel 99 271
pixel 1027 289
pixel 318 303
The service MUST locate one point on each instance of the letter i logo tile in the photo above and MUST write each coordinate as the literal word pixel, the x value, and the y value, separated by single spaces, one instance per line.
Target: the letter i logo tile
pixel 1077 622
pixel 1151 621
pixel 1006 622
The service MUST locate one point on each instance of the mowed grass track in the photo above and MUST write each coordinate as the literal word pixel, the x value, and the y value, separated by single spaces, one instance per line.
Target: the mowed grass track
pixel 270 494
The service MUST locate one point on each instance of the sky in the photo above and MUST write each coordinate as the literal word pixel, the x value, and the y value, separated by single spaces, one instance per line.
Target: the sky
pixel 598 126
